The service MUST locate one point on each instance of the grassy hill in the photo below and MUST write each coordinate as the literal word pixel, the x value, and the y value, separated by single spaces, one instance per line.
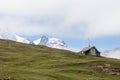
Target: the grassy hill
pixel 28 62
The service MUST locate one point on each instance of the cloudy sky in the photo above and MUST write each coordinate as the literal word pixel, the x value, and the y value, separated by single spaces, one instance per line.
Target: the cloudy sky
pixel 74 21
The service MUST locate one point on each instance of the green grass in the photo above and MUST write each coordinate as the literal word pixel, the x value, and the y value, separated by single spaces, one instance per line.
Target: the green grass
pixel 28 62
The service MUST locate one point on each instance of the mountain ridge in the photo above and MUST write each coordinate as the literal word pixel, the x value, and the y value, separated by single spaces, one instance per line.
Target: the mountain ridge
pixel 44 40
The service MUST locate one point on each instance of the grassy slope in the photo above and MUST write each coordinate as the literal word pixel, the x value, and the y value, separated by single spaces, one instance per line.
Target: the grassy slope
pixel 28 62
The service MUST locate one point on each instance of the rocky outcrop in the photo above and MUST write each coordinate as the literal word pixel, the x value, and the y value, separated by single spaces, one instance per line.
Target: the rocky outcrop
pixel 107 68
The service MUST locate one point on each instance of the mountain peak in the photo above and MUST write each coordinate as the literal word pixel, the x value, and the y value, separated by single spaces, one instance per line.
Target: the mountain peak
pixel 50 42
pixel 43 40
pixel 56 43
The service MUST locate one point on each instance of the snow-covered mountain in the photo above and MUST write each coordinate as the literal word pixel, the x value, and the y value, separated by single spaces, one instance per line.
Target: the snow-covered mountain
pixel 112 53
pixel 14 37
pixel 50 42
pixel 56 43
pixel 21 39
pixel 41 41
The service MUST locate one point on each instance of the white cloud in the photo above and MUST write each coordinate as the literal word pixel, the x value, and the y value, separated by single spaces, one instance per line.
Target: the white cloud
pixel 67 18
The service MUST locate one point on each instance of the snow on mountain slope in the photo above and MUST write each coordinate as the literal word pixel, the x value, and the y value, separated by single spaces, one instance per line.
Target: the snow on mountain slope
pixel 21 39
pixel 50 42
pixel 37 42
pixel 56 43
